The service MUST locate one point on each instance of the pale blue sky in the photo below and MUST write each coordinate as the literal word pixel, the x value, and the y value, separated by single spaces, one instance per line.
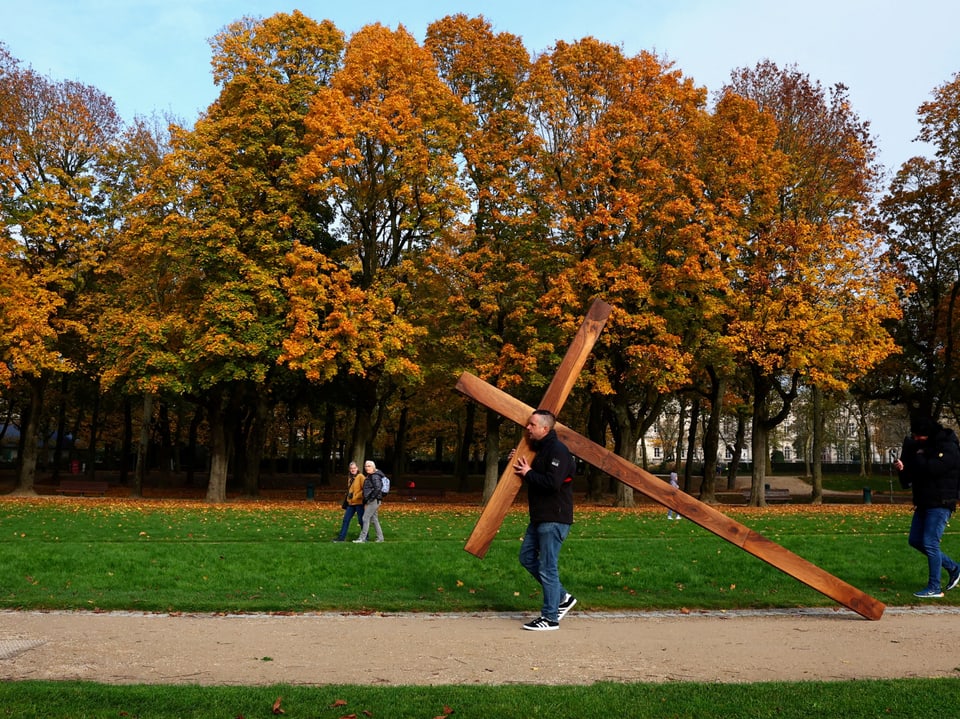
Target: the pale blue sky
pixel 154 55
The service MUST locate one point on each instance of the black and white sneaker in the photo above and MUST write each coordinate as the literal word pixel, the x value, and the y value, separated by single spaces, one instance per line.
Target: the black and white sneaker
pixel 541 624
pixel 566 605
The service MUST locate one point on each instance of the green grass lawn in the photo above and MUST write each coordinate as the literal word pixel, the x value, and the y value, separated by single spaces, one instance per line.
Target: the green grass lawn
pixel 262 557
pixel 879 483
pixel 279 557
pixel 801 700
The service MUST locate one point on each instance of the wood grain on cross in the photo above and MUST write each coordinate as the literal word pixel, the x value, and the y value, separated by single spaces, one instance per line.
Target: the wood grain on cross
pixel 506 490
pixel 691 508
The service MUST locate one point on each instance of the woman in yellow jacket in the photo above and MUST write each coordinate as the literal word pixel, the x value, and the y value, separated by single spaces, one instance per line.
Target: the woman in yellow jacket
pixel 353 504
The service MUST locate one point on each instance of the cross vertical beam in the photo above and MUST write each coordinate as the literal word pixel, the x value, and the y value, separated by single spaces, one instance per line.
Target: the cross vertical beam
pixel 566 376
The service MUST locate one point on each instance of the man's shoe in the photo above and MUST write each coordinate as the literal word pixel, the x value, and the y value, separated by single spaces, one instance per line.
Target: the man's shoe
pixel 954 579
pixel 928 594
pixel 541 624
pixel 359 541
pixel 566 605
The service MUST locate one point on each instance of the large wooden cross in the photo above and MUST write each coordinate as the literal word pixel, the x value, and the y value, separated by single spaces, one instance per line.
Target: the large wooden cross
pixel 702 514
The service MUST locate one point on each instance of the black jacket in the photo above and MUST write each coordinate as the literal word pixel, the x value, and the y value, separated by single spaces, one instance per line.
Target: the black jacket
pixel 373 487
pixel 550 481
pixel 931 468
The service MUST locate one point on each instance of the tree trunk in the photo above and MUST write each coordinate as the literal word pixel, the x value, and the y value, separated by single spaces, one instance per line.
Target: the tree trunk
pixel 328 463
pixel 462 470
pixel 192 452
pixel 758 448
pixel 176 440
pixel 292 440
pixel 222 421
pixel 30 446
pixel 624 445
pixel 681 423
pixel 94 430
pixel 738 445
pixel 362 432
pixel 691 443
pixel 143 446
pixel 254 441
pixel 866 454
pixel 220 451
pixel 126 444
pixel 164 448
pixel 491 473
pixel 711 439
pixel 817 450
pixel 58 443
pixel 596 431
pixel 400 446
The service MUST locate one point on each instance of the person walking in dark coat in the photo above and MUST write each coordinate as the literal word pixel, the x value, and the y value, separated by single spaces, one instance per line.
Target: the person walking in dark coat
pixel 929 465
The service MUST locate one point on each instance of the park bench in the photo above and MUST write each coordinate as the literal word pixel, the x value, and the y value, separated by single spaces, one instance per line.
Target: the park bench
pixel 83 487
pixel 770 495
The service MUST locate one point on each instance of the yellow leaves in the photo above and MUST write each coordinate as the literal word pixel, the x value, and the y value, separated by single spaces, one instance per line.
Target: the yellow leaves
pixel 28 328
pixel 285 47
pixel 812 300
pixel 333 324
pixel 382 140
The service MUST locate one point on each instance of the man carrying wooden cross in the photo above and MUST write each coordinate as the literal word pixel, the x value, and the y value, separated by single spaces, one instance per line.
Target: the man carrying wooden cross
pixel 549 480
pixel 600 457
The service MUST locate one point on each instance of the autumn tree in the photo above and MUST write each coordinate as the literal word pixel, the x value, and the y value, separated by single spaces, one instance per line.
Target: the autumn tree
pixel 922 216
pixel 217 224
pixel 382 138
pixel 140 332
pixel 27 307
pixel 617 177
pixel 810 288
pixel 54 138
pixel 485 294
pixel 737 167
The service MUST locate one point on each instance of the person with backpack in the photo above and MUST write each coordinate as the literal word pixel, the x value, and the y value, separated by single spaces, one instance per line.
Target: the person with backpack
pixel 372 497
pixel 353 502
pixel 929 466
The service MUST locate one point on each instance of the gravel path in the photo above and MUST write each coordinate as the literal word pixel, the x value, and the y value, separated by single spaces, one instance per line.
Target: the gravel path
pixel 329 648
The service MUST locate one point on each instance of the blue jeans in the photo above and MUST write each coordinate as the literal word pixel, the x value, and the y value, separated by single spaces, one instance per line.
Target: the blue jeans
pixel 926 531
pixel 540 555
pixel 352 509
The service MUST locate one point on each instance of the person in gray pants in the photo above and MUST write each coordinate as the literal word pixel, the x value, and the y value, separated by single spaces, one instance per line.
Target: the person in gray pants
pixel 372 496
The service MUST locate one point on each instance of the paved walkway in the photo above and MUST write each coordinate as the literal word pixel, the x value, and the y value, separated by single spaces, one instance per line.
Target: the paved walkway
pixel 125 648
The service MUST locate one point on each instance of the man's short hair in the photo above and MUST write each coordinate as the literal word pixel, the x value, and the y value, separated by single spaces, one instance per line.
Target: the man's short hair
pixel 549 419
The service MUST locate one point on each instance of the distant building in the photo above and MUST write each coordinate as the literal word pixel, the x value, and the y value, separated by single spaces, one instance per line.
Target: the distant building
pixel 789 442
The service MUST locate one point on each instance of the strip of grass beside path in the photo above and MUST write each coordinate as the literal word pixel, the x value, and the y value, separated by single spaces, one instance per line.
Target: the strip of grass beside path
pixel 851 700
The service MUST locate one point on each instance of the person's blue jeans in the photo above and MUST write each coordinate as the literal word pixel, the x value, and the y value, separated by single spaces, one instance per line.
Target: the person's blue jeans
pixel 352 509
pixel 540 555
pixel 926 531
